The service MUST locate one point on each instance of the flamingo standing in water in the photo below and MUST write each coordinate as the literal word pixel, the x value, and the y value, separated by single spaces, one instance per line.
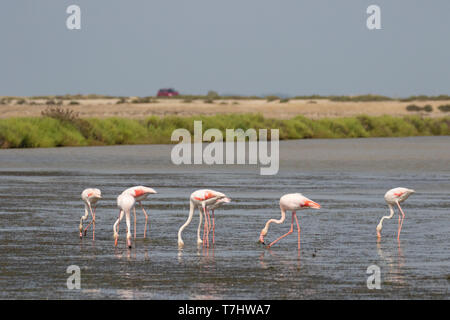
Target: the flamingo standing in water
pixel 289 202
pixel 125 202
pixel 394 197
pixel 204 200
pixel 140 193
pixel 90 197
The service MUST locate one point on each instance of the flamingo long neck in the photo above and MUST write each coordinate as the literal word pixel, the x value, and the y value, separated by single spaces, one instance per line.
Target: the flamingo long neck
pixel 191 214
pixel 281 220
pixel 86 213
pixel 117 222
pixel 380 224
pixel 199 240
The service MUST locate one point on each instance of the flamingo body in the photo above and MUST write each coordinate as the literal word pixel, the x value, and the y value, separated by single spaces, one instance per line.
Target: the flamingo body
pixel 90 197
pixel 395 197
pixel 140 193
pixel 289 202
pixel 204 199
pixel 125 202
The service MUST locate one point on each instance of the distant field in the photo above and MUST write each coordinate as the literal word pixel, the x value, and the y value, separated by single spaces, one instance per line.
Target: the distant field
pixel 314 107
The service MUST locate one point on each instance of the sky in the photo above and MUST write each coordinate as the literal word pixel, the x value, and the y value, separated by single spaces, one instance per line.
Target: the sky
pixel 244 47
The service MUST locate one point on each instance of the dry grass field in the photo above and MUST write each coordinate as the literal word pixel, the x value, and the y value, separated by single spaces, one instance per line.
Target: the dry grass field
pixel 314 109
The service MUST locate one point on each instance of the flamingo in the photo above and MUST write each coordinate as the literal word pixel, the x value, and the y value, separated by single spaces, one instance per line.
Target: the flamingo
pixel 140 193
pixel 289 202
pixel 125 202
pixel 90 196
pixel 203 199
pixel 394 197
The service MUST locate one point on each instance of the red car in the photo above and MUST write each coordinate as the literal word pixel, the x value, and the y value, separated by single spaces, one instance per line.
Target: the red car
pixel 167 93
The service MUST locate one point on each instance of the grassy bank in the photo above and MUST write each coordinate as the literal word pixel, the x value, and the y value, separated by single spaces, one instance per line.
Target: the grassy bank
pixel 69 130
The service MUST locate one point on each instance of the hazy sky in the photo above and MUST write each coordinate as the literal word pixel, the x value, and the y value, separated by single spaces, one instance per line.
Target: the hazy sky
pixel 249 47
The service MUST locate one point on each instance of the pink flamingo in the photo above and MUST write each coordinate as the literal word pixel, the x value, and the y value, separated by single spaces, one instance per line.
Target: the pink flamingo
pixel 125 202
pixel 90 197
pixel 289 202
pixel 203 199
pixel 394 197
pixel 140 193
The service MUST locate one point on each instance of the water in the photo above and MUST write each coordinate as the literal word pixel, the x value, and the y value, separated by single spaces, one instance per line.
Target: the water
pixel 41 207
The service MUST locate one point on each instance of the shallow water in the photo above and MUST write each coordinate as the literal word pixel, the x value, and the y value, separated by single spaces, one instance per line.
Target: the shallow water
pixel 41 207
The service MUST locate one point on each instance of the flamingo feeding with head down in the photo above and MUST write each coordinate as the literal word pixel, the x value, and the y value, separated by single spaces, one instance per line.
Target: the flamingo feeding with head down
pixel 204 200
pixel 289 202
pixel 125 202
pixel 140 193
pixel 90 197
pixel 394 197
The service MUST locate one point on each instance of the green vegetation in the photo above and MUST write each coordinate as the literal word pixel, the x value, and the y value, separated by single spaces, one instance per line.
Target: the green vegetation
pixel 272 98
pixel 413 107
pixel 73 97
pixel 427 98
pixel 62 127
pixel 444 108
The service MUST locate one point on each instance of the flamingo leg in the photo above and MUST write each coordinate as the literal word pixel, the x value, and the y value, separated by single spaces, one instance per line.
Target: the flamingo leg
pixel 289 232
pixel 213 224
pixel 134 213
pixel 298 230
pixel 128 221
pixel 209 223
pixel 400 223
pixel 146 219
pixel 93 225
pixel 205 228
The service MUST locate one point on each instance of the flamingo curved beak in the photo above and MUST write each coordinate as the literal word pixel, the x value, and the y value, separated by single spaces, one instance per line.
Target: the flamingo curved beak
pixel 312 204
pixel 261 239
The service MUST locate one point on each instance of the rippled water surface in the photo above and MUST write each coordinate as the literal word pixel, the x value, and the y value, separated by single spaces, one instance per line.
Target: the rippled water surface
pixel 41 207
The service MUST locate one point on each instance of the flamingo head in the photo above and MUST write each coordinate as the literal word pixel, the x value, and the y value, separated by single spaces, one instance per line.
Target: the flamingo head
pixel 224 200
pixel 262 234
pixel 311 204
pixel 129 241
pixel 97 194
pixel 379 227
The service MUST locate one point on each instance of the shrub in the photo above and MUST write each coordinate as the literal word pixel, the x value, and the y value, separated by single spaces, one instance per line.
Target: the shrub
pixel 272 98
pixel 413 107
pixel 212 95
pixel 144 100
pixel 68 116
pixel 121 100
pixel 428 108
pixel 444 108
